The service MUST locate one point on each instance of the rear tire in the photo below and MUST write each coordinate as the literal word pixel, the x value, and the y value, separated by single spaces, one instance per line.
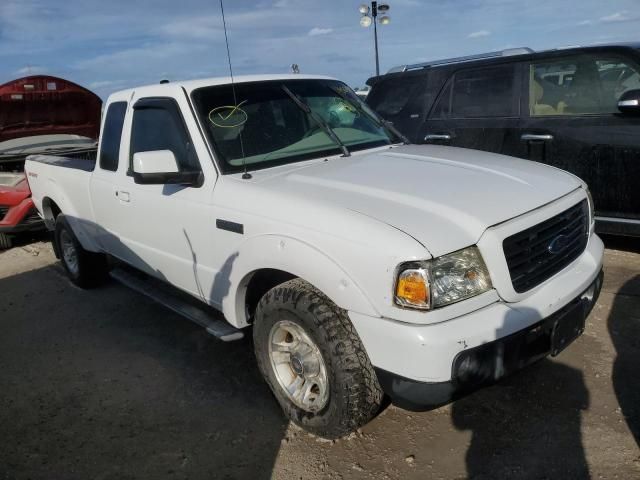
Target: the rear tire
pixel 305 344
pixel 85 269
pixel 5 241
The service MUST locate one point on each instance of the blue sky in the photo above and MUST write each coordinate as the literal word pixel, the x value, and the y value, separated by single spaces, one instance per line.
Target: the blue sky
pixel 107 45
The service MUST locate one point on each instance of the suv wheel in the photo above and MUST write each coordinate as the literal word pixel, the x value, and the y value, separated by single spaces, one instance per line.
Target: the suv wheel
pixel 85 269
pixel 5 241
pixel 313 360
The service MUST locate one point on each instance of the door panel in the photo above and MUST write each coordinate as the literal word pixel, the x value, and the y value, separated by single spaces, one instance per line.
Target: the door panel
pixel 478 109
pixel 163 232
pixel 163 229
pixel 573 101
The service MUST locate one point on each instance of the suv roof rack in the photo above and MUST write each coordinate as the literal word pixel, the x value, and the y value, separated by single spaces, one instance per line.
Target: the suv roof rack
pixel 500 53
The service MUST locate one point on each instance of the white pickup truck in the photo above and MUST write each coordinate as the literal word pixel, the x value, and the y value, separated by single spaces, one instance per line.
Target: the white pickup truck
pixel 365 266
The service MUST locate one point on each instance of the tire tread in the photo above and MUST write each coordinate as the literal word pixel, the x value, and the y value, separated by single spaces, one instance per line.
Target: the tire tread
pixel 361 392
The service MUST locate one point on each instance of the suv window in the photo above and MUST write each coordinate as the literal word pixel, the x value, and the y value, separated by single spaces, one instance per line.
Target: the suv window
pixel 580 85
pixel 389 97
pixel 111 135
pixel 478 93
pixel 158 125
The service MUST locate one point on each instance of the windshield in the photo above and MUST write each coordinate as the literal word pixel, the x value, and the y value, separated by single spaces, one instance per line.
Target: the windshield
pixel 266 127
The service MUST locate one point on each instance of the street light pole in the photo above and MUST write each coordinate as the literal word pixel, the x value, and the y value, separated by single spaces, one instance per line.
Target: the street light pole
pixel 369 16
pixel 374 14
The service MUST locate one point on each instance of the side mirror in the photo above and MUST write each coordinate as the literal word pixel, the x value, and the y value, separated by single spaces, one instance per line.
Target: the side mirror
pixel 160 167
pixel 630 102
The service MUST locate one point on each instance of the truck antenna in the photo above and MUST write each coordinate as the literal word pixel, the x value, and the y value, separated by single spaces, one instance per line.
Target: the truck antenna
pixel 246 175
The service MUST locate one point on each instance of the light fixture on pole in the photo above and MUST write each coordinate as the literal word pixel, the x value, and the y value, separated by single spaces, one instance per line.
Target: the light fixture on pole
pixel 370 16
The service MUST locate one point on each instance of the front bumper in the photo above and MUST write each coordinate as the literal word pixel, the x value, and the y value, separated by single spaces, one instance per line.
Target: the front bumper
pixel 485 364
pixel 405 353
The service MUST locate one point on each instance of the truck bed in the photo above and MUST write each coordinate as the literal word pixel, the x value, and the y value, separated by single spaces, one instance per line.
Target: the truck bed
pixel 14 162
pixel 64 181
pixel 79 160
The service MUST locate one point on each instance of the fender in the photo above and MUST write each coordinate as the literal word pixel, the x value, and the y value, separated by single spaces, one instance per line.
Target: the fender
pixel 297 258
pixel 81 228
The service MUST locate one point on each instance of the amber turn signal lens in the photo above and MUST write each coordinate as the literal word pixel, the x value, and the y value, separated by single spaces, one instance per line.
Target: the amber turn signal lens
pixel 412 289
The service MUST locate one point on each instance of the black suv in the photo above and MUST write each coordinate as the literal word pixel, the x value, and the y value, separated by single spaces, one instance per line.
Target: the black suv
pixel 575 108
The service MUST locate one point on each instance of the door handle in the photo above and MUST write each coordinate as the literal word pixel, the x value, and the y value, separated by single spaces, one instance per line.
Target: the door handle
pixel 123 196
pixel 434 136
pixel 532 136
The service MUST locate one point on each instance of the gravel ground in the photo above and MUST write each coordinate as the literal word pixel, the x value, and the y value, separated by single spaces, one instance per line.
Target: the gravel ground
pixel 104 384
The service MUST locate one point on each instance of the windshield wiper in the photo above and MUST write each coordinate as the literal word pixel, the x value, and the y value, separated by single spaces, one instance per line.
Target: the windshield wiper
pixel 381 123
pixel 318 119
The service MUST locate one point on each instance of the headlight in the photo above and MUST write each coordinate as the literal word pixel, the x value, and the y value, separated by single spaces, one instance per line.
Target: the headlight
pixel 413 288
pixel 443 280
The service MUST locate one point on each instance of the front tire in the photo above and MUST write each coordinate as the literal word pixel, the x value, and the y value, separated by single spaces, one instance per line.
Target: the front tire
pixel 85 269
pixel 5 241
pixel 312 358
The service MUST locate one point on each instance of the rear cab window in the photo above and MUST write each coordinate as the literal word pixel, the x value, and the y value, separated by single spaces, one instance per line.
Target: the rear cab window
pixel 111 136
pixel 580 84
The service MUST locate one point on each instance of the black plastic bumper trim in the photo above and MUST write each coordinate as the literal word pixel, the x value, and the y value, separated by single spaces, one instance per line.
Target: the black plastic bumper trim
pixel 22 227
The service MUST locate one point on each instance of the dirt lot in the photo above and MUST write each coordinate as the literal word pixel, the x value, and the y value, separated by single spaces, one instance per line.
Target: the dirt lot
pixel 104 384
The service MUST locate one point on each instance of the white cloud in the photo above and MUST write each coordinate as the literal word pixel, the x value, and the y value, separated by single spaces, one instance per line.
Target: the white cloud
pixel 31 70
pixel 615 17
pixel 407 3
pixel 479 33
pixel 319 31
pixel 207 27
pixel 104 84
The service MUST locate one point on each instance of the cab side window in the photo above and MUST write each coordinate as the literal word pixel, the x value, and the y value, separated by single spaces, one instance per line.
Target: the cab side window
pixel 111 135
pixel 479 93
pixel 158 125
pixel 580 85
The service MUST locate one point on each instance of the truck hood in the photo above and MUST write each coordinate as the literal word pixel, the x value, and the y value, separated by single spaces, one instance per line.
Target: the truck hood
pixel 444 197
pixel 45 105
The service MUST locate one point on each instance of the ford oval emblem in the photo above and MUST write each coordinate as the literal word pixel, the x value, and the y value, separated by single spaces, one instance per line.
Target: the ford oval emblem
pixel 558 244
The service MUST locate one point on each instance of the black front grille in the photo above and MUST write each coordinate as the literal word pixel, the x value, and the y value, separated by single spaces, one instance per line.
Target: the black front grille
pixel 539 252
pixel 3 211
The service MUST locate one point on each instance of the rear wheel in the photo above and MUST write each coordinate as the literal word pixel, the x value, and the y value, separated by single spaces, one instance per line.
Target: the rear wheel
pixel 5 241
pixel 85 269
pixel 312 358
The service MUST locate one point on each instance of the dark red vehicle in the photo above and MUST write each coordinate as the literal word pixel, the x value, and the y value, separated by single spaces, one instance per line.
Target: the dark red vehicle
pixel 17 213
pixel 39 114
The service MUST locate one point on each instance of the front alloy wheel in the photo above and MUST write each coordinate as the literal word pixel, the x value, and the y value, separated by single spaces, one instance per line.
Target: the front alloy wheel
pixel 298 366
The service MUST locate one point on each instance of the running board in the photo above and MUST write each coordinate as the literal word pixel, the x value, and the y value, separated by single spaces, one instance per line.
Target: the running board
pixel 163 294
